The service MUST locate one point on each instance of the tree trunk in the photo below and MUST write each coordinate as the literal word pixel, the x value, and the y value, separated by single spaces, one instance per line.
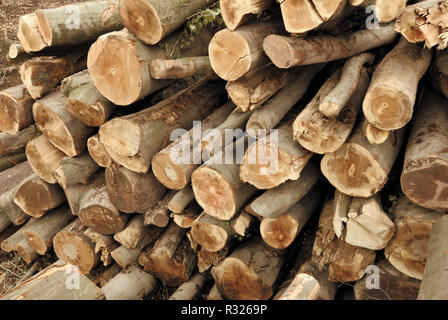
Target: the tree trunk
pixel 29 34
pixel 26 252
pixel 159 214
pixel 132 234
pixel 238 12
pixel 190 290
pixel 361 169
pixel 373 134
pixel 44 158
pixel 40 232
pixel 408 249
pixel 98 152
pixel 171 259
pixel 132 192
pixel 281 232
pixel 389 102
pixel 174 165
pixel 274 159
pixel 288 52
pixel 148 131
pixel 41 75
pixel 151 21
pixel 180 68
pixel 274 110
pixel 276 202
pixel 56 282
pixel 181 200
pixel 13 212
pixel 10 143
pixel 235 53
pixel 250 272
pixel 124 77
pixel 78 22
pixel 84 101
pixel 74 171
pixel 63 130
pixel 424 179
pixel 130 284
pixel 16 109
pixel 72 245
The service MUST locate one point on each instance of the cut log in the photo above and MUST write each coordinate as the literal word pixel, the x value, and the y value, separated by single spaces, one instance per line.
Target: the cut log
pixel 288 52
pixel 16 109
pixel 408 249
pixel 40 232
pixel 41 75
pixel 393 285
pixel 273 111
pixel 132 234
pixel 276 202
pixel 118 63
pixel 26 252
pixel 235 53
pixel 29 34
pixel 242 224
pixel 74 171
pixel 310 283
pixel 207 259
pixel 65 132
pixel 439 72
pixel 180 68
pixel 362 221
pixel 130 284
pixel 389 102
pixel 132 192
pixel 274 159
pixel 15 50
pixel 103 244
pixel 98 212
pixel 238 12
pixel 10 178
pixel 433 284
pixel 72 245
pixel 10 244
pixel 56 282
pixel 361 169
pixel 171 259
pixel 281 232
pixel 425 21
pixel 190 290
pixel 181 200
pixel 174 165
pixel 187 218
pixel 44 158
pixel 148 131
pixel 13 212
pixel 373 134
pixel 250 272
pixel 159 214
pixel 10 160
pixel 10 143
pixel 424 179
pixel 78 23
pixel 84 101
pixel 345 263
pixel 98 152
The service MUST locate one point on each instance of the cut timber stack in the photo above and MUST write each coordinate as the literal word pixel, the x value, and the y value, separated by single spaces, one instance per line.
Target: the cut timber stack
pixel 263 149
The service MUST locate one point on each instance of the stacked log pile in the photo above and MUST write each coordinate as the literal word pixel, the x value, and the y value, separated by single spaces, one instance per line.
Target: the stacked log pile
pixel 190 144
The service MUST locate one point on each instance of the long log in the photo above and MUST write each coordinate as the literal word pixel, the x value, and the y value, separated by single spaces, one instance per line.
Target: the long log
pixel 63 130
pixel 132 234
pixel 236 13
pixel 10 143
pixel 424 178
pixel 390 99
pixel 181 200
pixel 98 152
pixel 16 109
pixel 413 226
pixel 180 68
pixel 288 52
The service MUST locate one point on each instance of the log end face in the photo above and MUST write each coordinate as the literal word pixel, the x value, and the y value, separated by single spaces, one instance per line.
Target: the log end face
pixel 309 17
pixel 102 220
pixel 121 136
pixel 15 115
pixel 36 162
pixel 75 249
pixel 211 237
pixel 90 115
pixel 279 233
pixel 34 197
pixel 35 241
pixel 168 172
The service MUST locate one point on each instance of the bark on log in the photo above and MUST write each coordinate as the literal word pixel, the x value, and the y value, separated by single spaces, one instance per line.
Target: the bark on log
pixel 10 143
pixel 41 75
pixel 433 284
pixel 55 283
pixel 159 214
pixel 5 222
pixel 74 193
pixel 235 53
pixel 424 179
pixel 63 130
pixel 390 99
pixel 361 169
pixel 72 171
pixel 98 152
pixel 10 244
pixel 13 212
pixel 132 192
pixel 11 177
pixel 235 13
pixel 29 34
pixel 408 249
pixel 181 200
pixel 148 131
pixel 171 259
pixel 207 259
pixel 130 284
pixel 276 202
pixel 439 72
pixel 132 234
pixel 26 252
pixel 40 232
pixel 190 290
pixel 72 245
pixel 108 275
pixel 288 52
pixel 10 160
pixel 250 272
pixel 84 101
pixel 16 109
pixel 180 68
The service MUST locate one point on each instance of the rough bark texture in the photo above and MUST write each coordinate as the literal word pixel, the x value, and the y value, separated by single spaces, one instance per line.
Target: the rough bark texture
pixel 439 72
pixel 10 143
pixel 73 171
pixel 16 109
